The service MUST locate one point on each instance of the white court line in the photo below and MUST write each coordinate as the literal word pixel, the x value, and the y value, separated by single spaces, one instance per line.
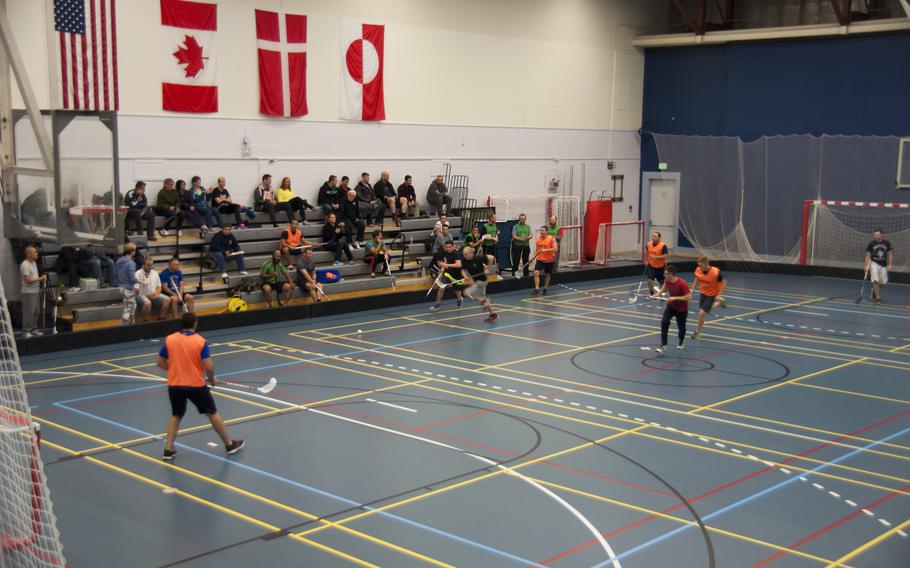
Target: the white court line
pixel 392 405
pixel 808 313
pixel 594 531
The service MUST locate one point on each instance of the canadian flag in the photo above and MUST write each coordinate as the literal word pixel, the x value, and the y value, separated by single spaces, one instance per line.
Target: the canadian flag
pixel 282 63
pixel 189 56
pixel 361 71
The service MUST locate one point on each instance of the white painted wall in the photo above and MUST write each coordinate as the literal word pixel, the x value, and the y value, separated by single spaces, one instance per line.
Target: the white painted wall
pixel 536 63
pixel 507 91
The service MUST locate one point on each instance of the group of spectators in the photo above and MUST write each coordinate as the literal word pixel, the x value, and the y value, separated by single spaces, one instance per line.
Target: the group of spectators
pixel 206 208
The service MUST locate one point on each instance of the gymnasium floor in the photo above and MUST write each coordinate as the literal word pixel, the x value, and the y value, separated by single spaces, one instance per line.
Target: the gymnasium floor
pixel 556 436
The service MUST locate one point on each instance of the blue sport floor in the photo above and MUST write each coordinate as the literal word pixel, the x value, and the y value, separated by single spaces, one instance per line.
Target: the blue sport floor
pixel 556 436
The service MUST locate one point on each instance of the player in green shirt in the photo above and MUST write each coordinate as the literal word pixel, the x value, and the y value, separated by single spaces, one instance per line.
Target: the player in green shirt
pixel 377 255
pixel 521 245
pixel 555 231
pixel 490 236
pixel 271 274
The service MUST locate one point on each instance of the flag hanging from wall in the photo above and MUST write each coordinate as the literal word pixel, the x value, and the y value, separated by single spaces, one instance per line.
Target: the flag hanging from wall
pixel 86 43
pixel 281 40
pixel 189 30
pixel 361 71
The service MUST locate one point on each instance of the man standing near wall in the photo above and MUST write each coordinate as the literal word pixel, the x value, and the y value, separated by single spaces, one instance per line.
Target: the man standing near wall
pixel 521 245
pixel 31 292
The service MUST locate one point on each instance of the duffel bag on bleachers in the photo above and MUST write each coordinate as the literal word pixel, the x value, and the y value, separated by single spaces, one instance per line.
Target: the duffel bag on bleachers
pixel 327 276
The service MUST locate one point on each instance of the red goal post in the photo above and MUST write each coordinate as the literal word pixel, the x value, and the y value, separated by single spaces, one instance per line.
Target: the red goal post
pixel 622 241
pixel 835 233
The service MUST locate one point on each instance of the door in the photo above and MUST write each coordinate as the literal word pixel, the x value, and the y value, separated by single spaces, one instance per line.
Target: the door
pixel 660 204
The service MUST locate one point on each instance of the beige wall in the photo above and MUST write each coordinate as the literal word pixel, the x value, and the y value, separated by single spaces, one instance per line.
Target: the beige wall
pixel 533 63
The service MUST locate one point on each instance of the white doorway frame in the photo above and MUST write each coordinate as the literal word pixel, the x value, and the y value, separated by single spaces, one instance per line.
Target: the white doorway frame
pixel 646 179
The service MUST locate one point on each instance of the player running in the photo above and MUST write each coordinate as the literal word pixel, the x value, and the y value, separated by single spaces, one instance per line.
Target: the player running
pixel 879 260
pixel 449 261
pixel 657 260
pixel 711 284
pixel 677 307
pixel 185 356
pixel 474 272
pixel 546 247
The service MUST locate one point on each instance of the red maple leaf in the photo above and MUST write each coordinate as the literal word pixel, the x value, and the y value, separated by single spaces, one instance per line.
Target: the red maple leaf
pixel 190 54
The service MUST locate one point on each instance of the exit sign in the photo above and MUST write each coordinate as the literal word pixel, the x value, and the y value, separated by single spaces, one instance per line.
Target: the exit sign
pixel 661 166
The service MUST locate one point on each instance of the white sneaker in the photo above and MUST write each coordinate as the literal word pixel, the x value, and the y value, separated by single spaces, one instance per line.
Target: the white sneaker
pixel 162 232
pixel 680 347
pixel 38 332
pixel 28 335
pixel 661 349
pixel 244 273
pixel 224 275
pixel 74 289
pixel 355 246
pixel 205 228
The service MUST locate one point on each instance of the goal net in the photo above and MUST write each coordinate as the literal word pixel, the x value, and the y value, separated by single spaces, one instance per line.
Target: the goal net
pixel 570 246
pixel 620 242
pixel 28 530
pixel 836 233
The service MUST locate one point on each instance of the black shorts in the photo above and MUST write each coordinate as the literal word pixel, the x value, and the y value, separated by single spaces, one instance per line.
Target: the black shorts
pixel 705 303
pixel 545 267
pixel 656 274
pixel 201 397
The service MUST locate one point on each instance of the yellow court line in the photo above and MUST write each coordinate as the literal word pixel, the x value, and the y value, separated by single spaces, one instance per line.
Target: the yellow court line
pixel 854 393
pixel 661 439
pixel 795 333
pixel 215 391
pixel 78 374
pixel 239 491
pixel 492 331
pixel 713 529
pixel 585 389
pixel 124 358
pixel 211 505
pixel 860 549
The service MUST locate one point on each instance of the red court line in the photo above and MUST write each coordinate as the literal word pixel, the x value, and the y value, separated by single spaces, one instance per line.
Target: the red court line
pixel 718 489
pixel 827 528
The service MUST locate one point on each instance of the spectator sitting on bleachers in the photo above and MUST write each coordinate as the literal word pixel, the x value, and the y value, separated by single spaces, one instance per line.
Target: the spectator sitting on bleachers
pixel 224 203
pixel 344 187
pixel 76 262
pixel 188 210
pixel 138 209
pixel 443 221
pixel 264 198
pixel 150 295
pixel 441 234
pixel 201 200
pixel 474 239
pixel 407 198
pixel 125 280
pixel 172 285
pixel 289 203
pixel 306 276
pixel 386 194
pixel 438 197
pixel 377 255
pixel 329 198
pixel 293 243
pixel 371 208
pixel 276 277
pixel 224 247
pixel 350 214
pixel 167 205
pixel 335 239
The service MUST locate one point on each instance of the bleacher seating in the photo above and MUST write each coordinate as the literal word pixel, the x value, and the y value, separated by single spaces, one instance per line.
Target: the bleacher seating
pixel 102 306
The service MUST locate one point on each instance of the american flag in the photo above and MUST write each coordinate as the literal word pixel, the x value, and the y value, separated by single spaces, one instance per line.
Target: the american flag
pixel 87 42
